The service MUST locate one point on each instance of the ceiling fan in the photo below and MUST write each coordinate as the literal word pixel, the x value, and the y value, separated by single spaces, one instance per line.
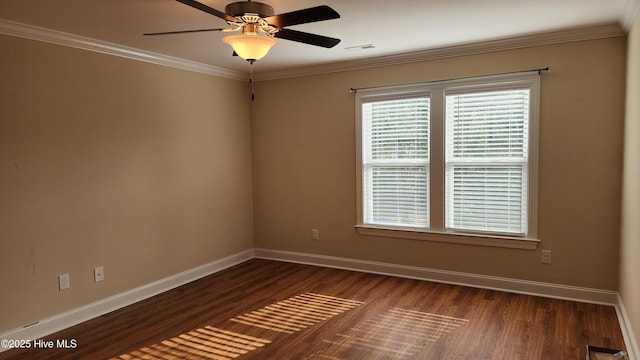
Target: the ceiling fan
pixel 253 18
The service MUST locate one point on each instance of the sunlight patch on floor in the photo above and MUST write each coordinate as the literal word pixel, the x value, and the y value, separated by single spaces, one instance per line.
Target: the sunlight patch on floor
pixel 287 316
pixel 204 343
pixel 297 313
pixel 397 332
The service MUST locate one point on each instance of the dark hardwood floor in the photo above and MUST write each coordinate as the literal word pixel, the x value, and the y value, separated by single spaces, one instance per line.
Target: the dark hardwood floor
pixel 265 309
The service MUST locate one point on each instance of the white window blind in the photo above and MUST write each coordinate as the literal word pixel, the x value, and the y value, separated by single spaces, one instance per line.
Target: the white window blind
pixel 396 162
pixel 487 137
pixel 452 160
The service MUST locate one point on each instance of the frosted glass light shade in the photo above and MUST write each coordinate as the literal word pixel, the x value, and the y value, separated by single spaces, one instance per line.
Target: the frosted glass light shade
pixel 250 47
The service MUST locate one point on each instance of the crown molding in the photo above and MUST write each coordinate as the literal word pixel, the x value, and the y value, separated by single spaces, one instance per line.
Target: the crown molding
pixel 629 14
pixel 31 32
pixel 12 28
pixel 551 38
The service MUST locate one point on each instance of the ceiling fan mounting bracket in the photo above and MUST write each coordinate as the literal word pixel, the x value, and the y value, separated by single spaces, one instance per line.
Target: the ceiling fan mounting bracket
pixel 237 9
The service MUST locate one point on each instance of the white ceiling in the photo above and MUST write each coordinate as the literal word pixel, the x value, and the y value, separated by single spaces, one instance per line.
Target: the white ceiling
pixel 392 27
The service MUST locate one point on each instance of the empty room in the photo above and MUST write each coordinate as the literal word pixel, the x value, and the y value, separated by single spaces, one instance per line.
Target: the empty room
pixel 212 179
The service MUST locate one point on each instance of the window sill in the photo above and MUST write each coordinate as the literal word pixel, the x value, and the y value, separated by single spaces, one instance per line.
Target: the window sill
pixel 453 238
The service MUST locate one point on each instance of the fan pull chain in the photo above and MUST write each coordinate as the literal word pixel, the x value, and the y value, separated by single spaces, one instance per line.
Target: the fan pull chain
pixel 251 78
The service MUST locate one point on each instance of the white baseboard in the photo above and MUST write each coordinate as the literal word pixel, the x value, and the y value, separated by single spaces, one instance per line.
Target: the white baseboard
pixel 627 331
pixel 550 290
pixel 451 277
pixel 67 319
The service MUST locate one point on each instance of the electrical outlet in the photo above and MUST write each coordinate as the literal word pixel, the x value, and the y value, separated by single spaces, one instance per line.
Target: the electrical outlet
pixel 63 281
pixel 315 234
pixel 545 256
pixel 98 274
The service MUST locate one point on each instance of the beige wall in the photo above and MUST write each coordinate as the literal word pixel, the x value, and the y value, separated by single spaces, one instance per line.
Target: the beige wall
pixel 146 170
pixel 630 234
pixel 142 169
pixel 304 165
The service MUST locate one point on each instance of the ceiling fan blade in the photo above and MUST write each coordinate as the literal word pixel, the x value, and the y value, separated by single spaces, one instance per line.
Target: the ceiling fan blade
pixel 182 31
pixel 307 38
pixel 318 13
pixel 207 9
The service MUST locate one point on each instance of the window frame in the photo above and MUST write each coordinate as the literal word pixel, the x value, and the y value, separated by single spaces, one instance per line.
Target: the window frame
pixel 437 91
pixel 395 162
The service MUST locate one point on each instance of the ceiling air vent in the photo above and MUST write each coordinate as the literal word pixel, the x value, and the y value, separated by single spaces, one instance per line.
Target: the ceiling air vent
pixel 360 47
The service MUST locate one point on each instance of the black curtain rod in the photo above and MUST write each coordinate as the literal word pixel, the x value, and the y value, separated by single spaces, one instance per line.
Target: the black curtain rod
pixel 539 71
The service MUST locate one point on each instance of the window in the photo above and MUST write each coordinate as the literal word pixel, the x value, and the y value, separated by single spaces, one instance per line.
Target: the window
pixel 396 161
pixel 450 161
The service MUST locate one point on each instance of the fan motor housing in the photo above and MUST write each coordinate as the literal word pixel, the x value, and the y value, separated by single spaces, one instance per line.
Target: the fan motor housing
pixel 243 7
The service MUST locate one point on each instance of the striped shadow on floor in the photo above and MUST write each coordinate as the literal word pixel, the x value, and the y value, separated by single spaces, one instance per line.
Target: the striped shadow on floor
pixel 399 333
pixel 204 343
pixel 297 313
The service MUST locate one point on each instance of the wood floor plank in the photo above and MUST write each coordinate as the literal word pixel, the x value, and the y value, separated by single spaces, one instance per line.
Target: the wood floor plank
pixel 337 315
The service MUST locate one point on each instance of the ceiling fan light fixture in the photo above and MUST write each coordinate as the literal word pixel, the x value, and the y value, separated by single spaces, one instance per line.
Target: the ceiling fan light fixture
pixel 250 47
